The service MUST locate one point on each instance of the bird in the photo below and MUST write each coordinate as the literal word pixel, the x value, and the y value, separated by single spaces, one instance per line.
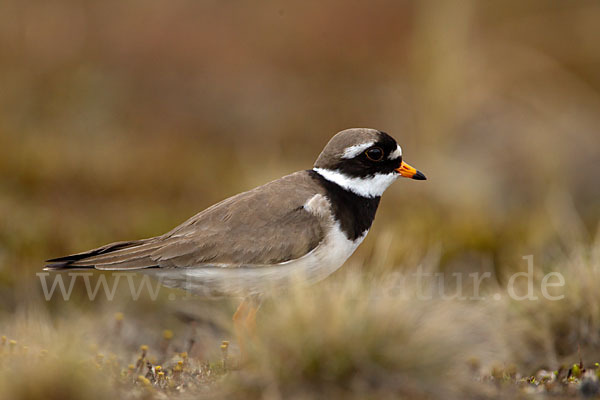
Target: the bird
pixel 303 226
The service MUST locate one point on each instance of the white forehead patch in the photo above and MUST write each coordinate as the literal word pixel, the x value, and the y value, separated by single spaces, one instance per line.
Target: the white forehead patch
pixel 373 186
pixel 396 153
pixel 353 151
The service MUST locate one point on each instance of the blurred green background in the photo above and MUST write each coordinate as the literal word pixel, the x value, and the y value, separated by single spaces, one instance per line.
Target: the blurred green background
pixel 118 120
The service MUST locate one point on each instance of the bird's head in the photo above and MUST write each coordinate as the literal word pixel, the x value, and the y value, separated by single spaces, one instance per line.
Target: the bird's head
pixel 364 161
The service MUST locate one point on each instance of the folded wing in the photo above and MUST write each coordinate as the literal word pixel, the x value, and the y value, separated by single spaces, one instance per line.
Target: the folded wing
pixel 264 226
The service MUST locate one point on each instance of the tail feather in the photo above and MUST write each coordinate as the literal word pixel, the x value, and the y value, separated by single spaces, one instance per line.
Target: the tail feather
pixel 127 264
pixel 59 265
pixel 100 250
pixel 116 256
pixel 120 255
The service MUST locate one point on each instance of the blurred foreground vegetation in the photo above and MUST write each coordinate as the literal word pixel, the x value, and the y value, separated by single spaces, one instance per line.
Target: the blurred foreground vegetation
pixel 118 120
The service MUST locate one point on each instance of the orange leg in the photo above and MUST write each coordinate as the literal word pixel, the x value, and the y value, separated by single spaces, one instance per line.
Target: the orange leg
pixel 244 322
pixel 239 318
pixel 251 320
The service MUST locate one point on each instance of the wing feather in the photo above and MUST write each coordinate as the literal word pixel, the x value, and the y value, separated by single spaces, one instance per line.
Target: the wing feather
pixel 264 226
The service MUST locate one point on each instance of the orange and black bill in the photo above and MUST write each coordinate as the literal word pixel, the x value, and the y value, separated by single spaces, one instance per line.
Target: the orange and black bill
pixel 409 172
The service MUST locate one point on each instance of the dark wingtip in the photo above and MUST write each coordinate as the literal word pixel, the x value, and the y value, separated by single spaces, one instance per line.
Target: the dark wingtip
pixel 55 266
pixel 60 259
pixel 419 176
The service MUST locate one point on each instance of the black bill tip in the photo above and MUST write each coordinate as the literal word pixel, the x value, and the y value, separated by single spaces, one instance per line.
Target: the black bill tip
pixel 419 176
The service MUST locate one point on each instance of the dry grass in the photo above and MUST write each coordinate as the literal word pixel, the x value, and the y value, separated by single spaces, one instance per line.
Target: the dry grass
pixel 341 339
pixel 353 339
pixel 555 333
pixel 348 337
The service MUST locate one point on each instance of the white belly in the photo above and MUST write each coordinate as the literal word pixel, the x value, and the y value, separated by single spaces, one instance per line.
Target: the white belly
pixel 212 280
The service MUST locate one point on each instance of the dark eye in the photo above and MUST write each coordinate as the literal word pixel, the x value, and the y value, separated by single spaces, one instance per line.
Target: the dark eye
pixel 374 154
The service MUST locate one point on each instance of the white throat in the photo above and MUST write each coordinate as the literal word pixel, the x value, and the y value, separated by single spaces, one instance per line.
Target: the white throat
pixel 373 186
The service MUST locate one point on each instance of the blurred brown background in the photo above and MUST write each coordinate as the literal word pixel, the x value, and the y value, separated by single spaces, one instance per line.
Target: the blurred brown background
pixel 118 120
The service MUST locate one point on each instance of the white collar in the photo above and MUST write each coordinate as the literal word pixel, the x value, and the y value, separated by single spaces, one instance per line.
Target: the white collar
pixel 370 187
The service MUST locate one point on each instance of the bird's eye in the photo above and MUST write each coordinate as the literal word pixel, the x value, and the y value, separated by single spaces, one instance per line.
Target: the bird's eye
pixel 374 154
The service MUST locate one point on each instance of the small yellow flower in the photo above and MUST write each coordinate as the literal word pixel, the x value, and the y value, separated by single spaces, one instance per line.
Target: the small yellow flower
pixel 158 368
pixel 144 347
pixel 131 367
pixel 224 347
pixel 119 316
pixel 184 355
pixel 168 334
